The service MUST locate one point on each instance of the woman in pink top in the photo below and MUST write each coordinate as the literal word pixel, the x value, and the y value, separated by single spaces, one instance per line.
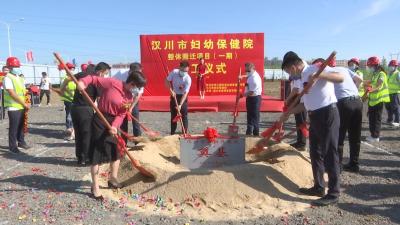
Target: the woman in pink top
pixel 116 97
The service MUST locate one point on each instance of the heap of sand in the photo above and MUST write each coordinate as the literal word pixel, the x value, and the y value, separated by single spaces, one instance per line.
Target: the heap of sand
pixel 266 184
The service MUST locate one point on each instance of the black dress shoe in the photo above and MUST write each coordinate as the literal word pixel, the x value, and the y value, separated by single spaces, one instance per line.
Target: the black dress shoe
pixel 15 150
pixel 81 163
pixel 24 146
pixel 313 191
pixel 114 185
pixel 299 146
pixel 351 168
pixel 97 198
pixel 325 201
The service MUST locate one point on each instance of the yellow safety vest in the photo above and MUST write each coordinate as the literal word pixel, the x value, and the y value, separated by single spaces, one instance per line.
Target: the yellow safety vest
pixel 69 91
pixel 394 83
pixel 19 89
pixel 361 90
pixel 382 95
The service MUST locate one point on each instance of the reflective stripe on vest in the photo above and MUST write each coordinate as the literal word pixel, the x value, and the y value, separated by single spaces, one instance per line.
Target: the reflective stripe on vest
pixel 361 90
pixel 394 82
pixel 69 91
pixel 19 89
pixel 382 95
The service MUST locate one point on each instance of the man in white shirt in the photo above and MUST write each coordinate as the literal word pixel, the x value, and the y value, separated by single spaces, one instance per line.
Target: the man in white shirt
pixel 300 117
pixel 45 88
pixel 252 92
pixel 178 83
pixel 350 109
pixel 320 102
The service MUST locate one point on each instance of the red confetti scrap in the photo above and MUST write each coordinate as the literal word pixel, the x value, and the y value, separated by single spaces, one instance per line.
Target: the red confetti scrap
pixel 104 174
pixel 3 205
pixel 16 174
pixel 36 169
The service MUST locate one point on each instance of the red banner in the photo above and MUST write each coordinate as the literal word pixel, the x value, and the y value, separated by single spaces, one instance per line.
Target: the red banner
pixel 224 55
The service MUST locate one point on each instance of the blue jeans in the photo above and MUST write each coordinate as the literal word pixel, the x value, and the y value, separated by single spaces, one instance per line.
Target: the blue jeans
pixel 68 117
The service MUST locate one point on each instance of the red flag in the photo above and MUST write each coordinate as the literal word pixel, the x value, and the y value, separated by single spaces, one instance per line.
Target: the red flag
pixel 29 56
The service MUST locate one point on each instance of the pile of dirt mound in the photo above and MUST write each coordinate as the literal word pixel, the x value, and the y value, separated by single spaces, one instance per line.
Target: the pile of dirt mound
pixel 266 184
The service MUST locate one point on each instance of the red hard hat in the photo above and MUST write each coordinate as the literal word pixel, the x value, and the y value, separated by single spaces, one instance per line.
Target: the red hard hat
pixel 13 62
pixel 84 67
pixel 70 65
pixel 393 63
pixel 60 67
pixel 354 60
pixel 373 61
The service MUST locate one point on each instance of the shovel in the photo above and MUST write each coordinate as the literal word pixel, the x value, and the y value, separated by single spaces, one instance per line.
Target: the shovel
pixel 179 117
pixel 267 134
pixel 148 131
pixel 233 129
pixel 135 163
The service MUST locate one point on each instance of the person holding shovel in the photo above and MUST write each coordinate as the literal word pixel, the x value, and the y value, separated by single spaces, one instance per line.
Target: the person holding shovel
pixel 252 93
pixel 115 96
pixel 300 117
pixel 134 109
pixel 178 83
pixel 320 102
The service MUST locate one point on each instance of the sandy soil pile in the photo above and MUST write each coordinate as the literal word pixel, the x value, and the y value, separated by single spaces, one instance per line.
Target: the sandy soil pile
pixel 253 189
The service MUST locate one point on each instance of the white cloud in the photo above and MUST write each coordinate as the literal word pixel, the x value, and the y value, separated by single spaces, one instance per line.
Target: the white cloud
pixel 375 8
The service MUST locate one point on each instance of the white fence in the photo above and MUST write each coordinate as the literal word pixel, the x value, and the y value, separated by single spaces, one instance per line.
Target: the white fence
pixel 33 73
pixel 275 74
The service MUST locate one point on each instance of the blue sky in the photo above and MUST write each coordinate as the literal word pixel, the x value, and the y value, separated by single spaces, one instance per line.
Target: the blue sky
pixel 109 30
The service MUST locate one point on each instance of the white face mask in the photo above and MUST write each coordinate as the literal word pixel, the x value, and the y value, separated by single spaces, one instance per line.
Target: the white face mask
pixel 134 90
pixel 392 68
pixel 182 73
pixel 16 71
pixel 353 67
pixel 370 69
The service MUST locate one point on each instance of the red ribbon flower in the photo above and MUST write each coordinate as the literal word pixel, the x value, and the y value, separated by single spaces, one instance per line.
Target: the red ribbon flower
pixel 211 134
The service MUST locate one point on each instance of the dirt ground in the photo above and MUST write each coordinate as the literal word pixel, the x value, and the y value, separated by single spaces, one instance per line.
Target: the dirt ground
pixel 43 185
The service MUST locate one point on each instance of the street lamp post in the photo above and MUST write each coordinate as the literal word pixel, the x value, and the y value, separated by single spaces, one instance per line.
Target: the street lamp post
pixel 8 34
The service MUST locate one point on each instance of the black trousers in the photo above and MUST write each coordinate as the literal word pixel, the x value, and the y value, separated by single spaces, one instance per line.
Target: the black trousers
pixel 47 92
pixel 350 111
pixel 82 117
pixel 253 104
pixel 184 113
pixel 324 134
pixel 300 119
pixel 375 119
pixel 16 129
pixel 393 108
